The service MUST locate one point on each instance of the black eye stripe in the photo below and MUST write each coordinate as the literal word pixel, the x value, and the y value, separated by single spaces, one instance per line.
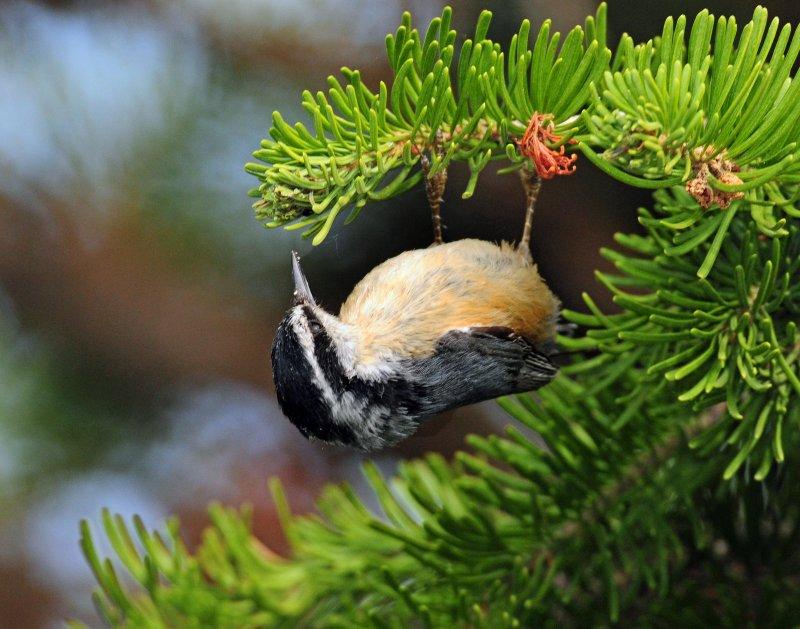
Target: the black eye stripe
pixel 313 322
pixel 301 401
pixel 325 353
pixel 309 314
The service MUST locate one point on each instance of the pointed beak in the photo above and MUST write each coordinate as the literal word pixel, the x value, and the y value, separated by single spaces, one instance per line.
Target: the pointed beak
pixel 302 292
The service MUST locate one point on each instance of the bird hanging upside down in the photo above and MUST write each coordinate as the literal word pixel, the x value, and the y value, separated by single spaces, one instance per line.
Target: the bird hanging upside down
pixel 426 331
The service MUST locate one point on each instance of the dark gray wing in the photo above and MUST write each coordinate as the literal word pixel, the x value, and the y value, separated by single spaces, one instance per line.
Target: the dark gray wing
pixel 479 364
pixel 501 350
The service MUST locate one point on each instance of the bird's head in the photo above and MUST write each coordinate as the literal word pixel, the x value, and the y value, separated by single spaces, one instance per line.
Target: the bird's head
pixel 312 359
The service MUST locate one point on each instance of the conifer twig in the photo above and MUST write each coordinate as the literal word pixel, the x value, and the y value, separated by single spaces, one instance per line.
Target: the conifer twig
pixel 532 184
pixel 434 187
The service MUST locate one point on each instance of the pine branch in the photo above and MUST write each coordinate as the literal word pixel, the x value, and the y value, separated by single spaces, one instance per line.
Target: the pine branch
pixel 670 109
pixel 728 336
pixel 489 527
pixel 366 146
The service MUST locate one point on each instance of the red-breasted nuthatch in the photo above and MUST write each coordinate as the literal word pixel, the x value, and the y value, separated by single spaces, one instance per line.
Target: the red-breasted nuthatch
pixel 426 331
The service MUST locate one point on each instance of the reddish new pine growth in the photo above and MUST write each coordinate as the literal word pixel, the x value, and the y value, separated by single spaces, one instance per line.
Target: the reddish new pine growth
pixel 549 162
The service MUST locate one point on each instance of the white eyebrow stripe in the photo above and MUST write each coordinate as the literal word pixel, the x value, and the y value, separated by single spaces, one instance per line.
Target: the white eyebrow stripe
pixel 345 409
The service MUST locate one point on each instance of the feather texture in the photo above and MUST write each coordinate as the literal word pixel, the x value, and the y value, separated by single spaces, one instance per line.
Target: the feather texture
pixel 405 305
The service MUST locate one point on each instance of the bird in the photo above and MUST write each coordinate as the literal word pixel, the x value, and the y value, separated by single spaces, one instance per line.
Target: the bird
pixel 426 331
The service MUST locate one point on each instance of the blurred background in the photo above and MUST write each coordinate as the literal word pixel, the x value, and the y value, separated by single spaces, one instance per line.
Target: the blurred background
pixel 138 295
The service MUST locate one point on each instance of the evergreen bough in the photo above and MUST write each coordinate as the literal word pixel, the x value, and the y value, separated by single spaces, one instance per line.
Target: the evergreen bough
pixel 667 489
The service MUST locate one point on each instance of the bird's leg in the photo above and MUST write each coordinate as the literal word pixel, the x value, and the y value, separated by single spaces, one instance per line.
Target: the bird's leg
pixel 434 188
pixel 532 184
